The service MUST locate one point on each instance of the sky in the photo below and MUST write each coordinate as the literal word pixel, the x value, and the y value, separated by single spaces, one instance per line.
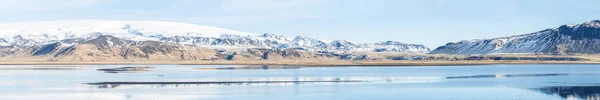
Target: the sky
pixel 429 22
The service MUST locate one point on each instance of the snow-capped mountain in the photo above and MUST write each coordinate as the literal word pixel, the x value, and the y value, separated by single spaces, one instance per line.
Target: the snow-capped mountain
pixel 566 39
pixel 32 33
pixel 395 46
pixel 75 31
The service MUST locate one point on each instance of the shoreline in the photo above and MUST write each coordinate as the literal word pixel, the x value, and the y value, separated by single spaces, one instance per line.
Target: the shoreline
pixel 308 63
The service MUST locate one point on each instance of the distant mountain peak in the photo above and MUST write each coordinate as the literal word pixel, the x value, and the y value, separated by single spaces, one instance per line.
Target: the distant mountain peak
pixel 268 34
pixel 592 23
pixel 110 32
pixel 391 42
pixel 587 30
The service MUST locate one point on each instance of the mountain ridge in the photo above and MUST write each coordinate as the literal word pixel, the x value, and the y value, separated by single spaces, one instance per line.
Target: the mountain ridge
pixel 97 40
pixel 46 32
pixel 566 39
pixel 116 42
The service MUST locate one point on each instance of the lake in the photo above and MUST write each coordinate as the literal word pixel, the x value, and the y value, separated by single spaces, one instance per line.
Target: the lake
pixel 224 82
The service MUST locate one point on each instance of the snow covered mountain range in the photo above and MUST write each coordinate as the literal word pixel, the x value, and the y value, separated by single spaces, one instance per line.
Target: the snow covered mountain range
pixel 103 40
pixel 567 39
pixel 77 31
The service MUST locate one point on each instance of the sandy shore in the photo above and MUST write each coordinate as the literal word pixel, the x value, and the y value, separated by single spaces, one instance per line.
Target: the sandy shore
pixel 307 63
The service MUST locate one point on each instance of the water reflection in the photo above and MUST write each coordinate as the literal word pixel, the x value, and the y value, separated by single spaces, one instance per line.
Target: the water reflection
pixel 506 75
pixel 264 67
pixel 106 85
pixel 126 69
pixel 41 68
pixel 332 83
pixel 269 81
pixel 573 92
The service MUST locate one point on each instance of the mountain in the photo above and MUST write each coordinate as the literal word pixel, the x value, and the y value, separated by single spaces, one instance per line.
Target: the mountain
pixel 39 33
pixel 101 40
pixel 34 33
pixel 109 48
pixel 566 39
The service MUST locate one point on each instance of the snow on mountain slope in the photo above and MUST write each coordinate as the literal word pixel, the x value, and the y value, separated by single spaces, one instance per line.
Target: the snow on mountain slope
pixel 41 32
pixel 303 41
pixel 395 46
pixel 345 45
pixel 73 31
pixel 566 39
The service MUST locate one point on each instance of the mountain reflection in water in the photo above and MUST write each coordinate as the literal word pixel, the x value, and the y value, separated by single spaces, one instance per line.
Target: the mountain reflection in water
pixel 573 92
pixel 264 67
pixel 105 85
pixel 267 81
pixel 255 82
pixel 126 69
pixel 506 75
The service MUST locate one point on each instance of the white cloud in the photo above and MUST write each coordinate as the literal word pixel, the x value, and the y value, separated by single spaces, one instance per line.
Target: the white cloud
pixel 42 5
pixel 253 6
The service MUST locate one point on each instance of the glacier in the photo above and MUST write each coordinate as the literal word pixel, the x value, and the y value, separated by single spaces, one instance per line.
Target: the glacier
pixel 24 34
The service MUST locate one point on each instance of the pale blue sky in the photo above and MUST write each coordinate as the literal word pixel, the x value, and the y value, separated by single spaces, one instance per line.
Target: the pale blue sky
pixel 429 22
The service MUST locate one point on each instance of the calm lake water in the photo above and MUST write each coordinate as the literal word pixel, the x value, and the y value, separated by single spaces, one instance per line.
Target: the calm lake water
pixel 199 82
